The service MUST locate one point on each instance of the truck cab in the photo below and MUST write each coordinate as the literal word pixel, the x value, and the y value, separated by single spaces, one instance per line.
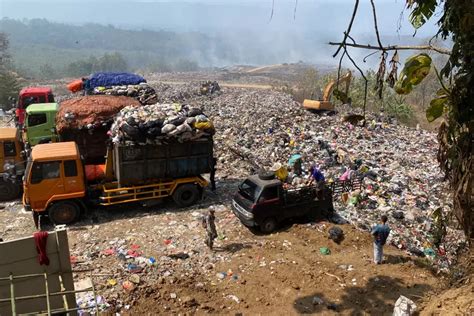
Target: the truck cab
pixel 54 182
pixel 40 124
pixel 265 202
pixel 12 164
pixel 31 95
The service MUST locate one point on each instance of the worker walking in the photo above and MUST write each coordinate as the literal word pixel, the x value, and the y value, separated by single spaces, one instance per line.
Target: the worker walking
pixel 380 233
pixel 209 224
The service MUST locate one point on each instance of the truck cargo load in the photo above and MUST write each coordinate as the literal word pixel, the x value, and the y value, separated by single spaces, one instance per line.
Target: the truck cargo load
pixel 87 120
pixel 110 79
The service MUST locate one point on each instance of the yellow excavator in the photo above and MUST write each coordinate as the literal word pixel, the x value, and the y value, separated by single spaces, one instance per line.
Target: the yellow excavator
pixel 325 104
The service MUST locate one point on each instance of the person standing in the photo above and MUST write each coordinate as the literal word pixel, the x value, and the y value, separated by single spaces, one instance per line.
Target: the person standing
pixel 210 225
pixel 317 176
pixel 380 233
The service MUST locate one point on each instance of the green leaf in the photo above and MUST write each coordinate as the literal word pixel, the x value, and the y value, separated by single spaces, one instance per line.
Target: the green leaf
pixel 436 108
pixel 422 12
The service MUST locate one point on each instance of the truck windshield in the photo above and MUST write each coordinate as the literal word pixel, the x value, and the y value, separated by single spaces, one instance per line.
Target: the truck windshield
pixel 248 189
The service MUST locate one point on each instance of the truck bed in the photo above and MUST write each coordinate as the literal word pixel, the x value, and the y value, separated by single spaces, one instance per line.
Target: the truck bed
pixel 140 164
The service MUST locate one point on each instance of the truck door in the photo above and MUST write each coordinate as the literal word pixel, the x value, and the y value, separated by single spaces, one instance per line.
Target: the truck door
pixel 73 178
pixel 269 204
pixel 38 130
pixel 44 182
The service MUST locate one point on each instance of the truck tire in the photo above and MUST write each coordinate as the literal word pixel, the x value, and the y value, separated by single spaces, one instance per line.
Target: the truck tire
pixel 186 195
pixel 266 175
pixel 268 225
pixel 8 190
pixel 65 212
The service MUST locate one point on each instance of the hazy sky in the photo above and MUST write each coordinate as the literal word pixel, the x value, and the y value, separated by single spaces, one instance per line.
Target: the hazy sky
pixel 321 16
pixel 300 35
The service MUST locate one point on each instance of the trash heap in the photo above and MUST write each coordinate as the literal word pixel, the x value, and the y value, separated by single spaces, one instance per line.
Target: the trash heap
pixel 401 178
pixel 158 123
pixel 142 92
pixel 209 87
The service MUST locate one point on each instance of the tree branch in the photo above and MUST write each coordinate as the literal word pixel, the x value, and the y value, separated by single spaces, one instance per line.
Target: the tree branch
pixel 348 31
pixel 440 50
pixel 375 24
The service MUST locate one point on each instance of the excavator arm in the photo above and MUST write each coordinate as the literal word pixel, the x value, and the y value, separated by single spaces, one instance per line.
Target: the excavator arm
pixel 334 83
pixel 326 104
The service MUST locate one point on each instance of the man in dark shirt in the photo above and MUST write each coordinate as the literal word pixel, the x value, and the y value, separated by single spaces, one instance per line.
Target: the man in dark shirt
pixel 380 233
pixel 209 224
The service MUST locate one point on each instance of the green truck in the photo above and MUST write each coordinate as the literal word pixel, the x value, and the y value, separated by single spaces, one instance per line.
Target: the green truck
pixel 40 124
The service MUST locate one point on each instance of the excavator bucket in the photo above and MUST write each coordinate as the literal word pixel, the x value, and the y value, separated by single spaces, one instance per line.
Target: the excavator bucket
pixel 318 105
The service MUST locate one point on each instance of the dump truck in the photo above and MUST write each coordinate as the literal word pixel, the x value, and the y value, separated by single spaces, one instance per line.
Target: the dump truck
pixel 31 95
pixel 326 104
pixel 264 202
pixel 12 163
pixel 56 184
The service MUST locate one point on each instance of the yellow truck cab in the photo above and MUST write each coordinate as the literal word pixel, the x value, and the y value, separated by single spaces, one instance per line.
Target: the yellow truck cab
pixel 12 164
pixel 54 182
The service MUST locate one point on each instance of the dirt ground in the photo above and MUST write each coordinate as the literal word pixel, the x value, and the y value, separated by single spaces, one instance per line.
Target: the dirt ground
pixel 287 274
pixel 250 274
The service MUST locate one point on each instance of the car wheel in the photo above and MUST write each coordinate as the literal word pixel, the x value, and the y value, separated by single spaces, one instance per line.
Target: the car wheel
pixel 186 195
pixel 268 225
pixel 65 212
pixel 8 190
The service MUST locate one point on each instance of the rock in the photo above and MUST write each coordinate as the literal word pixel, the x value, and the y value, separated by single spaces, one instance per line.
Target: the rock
pixel 173 295
pixel 189 301
pixel 134 278
pixel 404 307
pixel 317 301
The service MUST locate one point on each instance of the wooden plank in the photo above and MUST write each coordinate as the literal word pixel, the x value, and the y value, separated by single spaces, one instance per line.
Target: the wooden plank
pixel 19 257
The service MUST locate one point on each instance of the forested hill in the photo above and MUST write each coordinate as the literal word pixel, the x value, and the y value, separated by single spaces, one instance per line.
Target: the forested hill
pixel 45 49
pixel 35 43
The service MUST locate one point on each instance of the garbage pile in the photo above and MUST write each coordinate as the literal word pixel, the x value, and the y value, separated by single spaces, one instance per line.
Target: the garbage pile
pixel 209 87
pixel 398 163
pixel 153 124
pixel 142 92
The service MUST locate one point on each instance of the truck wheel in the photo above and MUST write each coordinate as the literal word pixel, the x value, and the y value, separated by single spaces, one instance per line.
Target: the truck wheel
pixel 64 212
pixel 266 175
pixel 186 195
pixel 268 225
pixel 8 190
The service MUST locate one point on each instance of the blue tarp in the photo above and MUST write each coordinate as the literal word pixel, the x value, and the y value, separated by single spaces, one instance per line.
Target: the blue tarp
pixel 108 79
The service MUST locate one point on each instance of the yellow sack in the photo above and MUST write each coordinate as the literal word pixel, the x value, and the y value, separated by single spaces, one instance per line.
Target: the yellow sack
pixel 205 126
pixel 282 174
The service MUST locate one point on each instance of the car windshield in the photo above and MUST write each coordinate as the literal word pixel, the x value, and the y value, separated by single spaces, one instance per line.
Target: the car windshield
pixel 248 189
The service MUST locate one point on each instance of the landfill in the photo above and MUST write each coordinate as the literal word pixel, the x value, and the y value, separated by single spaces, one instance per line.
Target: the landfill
pixel 155 253
pixel 256 129
pixel 158 122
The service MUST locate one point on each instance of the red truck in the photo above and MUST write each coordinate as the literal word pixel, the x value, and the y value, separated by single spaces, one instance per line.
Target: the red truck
pixel 30 95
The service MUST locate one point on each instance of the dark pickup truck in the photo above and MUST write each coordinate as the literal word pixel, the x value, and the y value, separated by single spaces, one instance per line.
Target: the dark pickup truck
pixel 264 203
